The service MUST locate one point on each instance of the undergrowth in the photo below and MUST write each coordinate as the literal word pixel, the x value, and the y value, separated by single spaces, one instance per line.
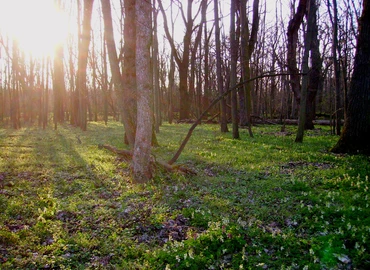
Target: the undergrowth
pixel 255 203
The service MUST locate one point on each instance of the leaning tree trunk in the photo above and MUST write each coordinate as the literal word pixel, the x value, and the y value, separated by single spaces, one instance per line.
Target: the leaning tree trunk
pixel 142 149
pixel 356 131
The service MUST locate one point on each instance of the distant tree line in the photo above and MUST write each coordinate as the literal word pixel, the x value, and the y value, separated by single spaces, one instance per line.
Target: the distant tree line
pixel 190 72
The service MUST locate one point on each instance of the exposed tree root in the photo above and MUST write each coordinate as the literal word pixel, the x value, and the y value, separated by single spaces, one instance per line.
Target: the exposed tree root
pixel 127 155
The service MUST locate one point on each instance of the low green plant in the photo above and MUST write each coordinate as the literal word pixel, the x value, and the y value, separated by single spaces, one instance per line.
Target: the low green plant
pixel 254 203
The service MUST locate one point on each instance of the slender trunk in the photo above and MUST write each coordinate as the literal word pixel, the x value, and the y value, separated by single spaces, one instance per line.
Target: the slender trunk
pixel 83 51
pixel 233 75
pixel 337 73
pixel 292 34
pixel 305 79
pixel 58 86
pixel 127 93
pixel 157 108
pixel 315 74
pixel 126 99
pixel 142 149
pixel 171 89
pixel 220 82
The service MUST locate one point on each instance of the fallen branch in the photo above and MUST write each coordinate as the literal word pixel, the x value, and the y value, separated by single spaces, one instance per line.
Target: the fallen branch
pixel 127 155
pixel 124 153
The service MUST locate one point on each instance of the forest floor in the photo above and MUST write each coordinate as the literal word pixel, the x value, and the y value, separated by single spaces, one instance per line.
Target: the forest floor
pixel 254 203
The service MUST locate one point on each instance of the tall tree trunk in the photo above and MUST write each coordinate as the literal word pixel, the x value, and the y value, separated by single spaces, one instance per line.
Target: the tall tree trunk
pixel 126 100
pixel 305 79
pixel 171 88
pixel 142 149
pixel 14 100
pixel 220 82
pixel 128 89
pixel 83 51
pixel 194 54
pixel 72 88
pixel 58 86
pixel 204 102
pixel 248 41
pixel 335 50
pixel 356 131
pixel 46 95
pixel 292 34
pixel 157 108
pixel 315 74
pixel 233 72
pixel 105 87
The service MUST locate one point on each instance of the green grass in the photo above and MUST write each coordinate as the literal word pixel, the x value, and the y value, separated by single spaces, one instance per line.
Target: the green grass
pixel 255 203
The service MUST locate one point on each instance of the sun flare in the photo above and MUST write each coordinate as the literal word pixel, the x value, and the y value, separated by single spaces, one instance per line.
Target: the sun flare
pixel 37 25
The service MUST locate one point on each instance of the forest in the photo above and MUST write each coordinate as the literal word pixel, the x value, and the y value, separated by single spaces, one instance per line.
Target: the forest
pixel 197 134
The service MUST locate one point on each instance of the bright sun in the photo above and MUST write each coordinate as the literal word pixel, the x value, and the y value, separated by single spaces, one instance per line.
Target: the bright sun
pixel 37 25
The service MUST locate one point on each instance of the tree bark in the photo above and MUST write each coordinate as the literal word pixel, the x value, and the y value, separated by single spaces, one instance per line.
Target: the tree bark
pixel 292 34
pixel 83 51
pixel 142 149
pixel 356 131
pixel 305 69
pixel 337 71
pixel 315 74
pixel 248 42
pixel 157 107
pixel 220 83
pixel 128 90
pixel 58 86
pixel 126 99
pixel 233 75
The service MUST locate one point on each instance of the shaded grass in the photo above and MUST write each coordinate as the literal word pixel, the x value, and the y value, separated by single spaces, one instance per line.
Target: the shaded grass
pixel 255 203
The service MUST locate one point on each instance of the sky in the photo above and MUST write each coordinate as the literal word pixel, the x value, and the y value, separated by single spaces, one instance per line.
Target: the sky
pixel 39 26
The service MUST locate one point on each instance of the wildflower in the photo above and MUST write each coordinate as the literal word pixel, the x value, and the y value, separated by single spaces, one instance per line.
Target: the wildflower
pixel 191 254
pixel 349 226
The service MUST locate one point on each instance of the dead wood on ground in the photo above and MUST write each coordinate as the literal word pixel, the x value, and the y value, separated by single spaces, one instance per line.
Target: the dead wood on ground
pixel 127 155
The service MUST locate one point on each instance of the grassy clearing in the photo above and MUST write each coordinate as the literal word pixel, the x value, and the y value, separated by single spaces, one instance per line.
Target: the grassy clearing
pixel 255 203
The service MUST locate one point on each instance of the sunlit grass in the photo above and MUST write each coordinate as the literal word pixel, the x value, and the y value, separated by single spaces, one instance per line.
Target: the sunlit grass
pixel 255 203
